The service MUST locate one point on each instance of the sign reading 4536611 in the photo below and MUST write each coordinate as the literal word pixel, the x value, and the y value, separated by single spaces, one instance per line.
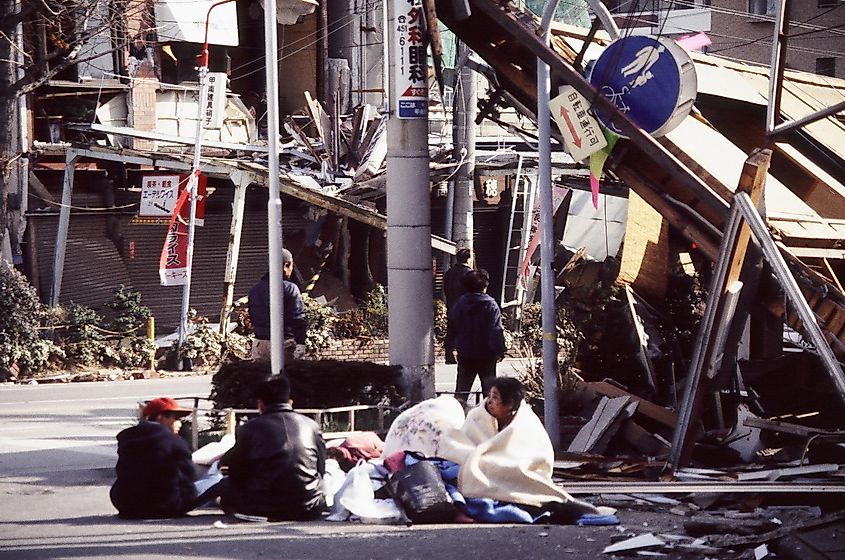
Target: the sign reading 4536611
pixel 410 72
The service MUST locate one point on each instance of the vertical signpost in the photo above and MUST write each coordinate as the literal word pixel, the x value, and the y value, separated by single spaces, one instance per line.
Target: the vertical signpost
pixel 410 71
pixel 410 317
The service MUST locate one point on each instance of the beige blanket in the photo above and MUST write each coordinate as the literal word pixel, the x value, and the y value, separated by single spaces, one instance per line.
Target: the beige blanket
pixel 514 465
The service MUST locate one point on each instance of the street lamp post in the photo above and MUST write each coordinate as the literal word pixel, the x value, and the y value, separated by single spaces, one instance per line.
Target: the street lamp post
pixel 193 180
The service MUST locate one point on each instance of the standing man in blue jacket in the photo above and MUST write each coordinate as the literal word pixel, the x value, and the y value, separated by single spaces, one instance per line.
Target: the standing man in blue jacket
pixel 453 289
pixel 294 319
pixel 475 330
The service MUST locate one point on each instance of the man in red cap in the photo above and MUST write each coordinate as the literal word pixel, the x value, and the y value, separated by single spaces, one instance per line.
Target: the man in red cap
pixel 155 473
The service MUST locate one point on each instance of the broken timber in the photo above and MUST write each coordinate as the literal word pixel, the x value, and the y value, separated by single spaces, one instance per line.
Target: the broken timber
pixel 744 220
pixel 696 206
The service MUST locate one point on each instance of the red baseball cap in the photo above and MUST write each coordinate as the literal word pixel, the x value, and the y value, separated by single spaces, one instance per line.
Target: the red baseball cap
pixel 164 404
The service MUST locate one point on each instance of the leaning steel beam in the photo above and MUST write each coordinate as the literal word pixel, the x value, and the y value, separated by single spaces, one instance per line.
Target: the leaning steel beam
pixel 511 42
pixel 709 487
pixel 790 286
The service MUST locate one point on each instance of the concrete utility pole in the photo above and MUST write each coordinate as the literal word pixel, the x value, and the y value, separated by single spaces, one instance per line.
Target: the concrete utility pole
pixel 409 278
pixel 465 108
pixel 274 200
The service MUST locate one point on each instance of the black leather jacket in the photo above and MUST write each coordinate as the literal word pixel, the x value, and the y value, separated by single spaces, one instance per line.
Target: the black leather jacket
pixel 276 466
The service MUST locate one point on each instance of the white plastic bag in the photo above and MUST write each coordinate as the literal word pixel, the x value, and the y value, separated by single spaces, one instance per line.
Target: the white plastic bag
pixel 332 481
pixel 356 498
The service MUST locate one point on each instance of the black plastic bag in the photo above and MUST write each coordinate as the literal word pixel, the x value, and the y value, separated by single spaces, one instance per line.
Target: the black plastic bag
pixel 420 491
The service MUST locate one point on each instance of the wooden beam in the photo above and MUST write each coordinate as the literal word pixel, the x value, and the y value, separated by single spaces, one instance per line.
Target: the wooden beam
pixel 646 408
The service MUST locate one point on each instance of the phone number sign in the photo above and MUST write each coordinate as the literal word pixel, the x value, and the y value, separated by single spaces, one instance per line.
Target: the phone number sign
pixel 410 72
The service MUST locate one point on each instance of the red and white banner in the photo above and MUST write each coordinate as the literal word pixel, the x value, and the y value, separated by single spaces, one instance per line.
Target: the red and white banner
pixel 173 263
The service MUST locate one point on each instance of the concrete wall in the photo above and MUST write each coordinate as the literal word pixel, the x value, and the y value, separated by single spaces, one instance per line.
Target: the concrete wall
pixel 297 64
pixel 733 26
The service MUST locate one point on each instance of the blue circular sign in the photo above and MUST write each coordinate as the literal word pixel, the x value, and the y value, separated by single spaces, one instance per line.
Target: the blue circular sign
pixel 645 78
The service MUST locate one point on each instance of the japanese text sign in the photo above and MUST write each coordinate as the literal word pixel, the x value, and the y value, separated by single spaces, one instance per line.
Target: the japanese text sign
pixel 579 128
pixel 160 191
pixel 410 72
pixel 215 103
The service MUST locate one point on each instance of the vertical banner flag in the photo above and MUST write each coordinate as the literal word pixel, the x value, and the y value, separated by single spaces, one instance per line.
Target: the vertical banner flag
pixel 558 194
pixel 173 262
pixel 410 73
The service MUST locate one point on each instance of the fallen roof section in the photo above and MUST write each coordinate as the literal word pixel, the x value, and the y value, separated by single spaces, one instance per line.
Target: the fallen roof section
pixel 256 173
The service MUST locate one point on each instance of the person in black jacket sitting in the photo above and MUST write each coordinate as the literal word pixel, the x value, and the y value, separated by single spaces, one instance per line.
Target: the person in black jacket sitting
pixel 475 331
pixel 276 467
pixel 155 473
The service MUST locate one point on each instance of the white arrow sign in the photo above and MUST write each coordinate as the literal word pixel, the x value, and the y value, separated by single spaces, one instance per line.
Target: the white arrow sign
pixel 579 128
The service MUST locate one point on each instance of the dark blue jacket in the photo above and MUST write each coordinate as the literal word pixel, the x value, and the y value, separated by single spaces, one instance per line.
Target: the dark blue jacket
pixel 475 328
pixel 155 473
pixel 295 322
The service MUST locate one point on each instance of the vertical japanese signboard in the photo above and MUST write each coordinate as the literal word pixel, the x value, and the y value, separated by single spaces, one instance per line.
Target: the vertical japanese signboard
pixel 410 72
pixel 215 104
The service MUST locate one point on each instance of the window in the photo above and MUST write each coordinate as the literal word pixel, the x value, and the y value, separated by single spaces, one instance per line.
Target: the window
pixel 826 66
pixel 761 7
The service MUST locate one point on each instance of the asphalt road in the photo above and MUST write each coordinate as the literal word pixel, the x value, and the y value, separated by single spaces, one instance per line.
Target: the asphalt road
pixel 57 454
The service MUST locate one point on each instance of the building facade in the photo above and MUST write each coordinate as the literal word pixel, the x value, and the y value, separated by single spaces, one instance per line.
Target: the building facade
pixel 743 29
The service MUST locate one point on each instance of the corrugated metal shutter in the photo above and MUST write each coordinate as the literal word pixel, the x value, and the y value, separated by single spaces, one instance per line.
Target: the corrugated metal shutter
pixel 211 243
pixel 94 267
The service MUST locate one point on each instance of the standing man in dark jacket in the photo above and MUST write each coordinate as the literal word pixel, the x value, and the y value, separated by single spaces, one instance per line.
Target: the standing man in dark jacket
pixel 453 289
pixel 475 325
pixel 155 473
pixel 294 322
pixel 276 467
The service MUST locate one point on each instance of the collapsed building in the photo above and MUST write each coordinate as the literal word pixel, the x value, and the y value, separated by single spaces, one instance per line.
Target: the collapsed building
pixel 664 206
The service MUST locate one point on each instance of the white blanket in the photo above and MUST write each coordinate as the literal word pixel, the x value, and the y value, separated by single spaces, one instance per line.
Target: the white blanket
pixel 514 465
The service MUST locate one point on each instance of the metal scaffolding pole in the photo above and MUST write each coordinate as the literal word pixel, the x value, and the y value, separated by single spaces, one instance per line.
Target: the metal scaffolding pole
pixel 465 109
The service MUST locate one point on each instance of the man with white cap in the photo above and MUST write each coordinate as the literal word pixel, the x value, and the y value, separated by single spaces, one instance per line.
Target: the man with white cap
pixel 295 322
pixel 155 473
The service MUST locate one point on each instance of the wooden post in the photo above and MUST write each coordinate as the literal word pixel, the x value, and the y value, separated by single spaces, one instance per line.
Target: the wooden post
pixel 151 336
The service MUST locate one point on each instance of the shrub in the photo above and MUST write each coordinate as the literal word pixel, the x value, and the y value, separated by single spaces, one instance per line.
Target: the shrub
pixel 20 316
pixel 314 384
pixel 203 345
pixel 440 320
pixel 320 319
pixel 83 344
pixel 375 311
pixel 349 324
pixel 128 312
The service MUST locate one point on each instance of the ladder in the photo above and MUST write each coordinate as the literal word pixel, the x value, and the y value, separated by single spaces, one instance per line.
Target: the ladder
pixel 519 233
